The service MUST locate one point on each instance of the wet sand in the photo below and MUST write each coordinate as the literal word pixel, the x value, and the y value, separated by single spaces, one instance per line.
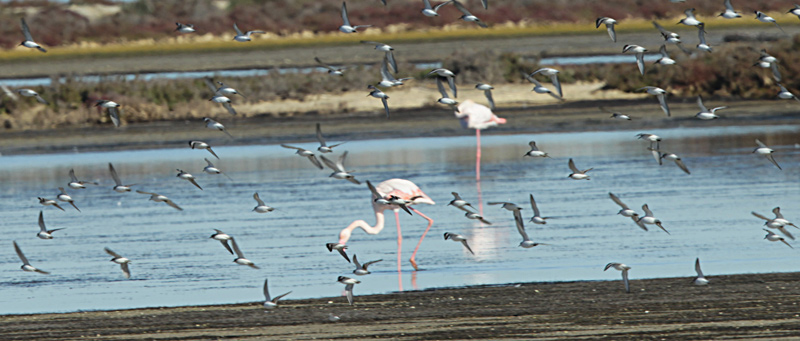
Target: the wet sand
pixel 736 306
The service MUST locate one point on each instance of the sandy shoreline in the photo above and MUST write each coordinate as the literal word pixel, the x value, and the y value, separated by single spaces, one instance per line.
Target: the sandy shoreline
pixel 742 306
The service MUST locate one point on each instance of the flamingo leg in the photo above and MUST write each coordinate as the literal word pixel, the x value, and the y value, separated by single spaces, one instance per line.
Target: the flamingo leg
pixel 399 250
pixel 478 156
pixel 430 223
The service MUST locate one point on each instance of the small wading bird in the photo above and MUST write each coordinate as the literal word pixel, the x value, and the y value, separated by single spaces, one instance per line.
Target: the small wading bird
pixel 202 145
pixel 487 91
pixel 161 198
pixel 609 22
pixel 28 42
pixel 535 152
pixel 211 124
pixel 211 169
pixel 639 51
pixel 188 177
pixel 771 236
pixel 624 268
pixel 112 109
pixel 648 218
pixel 261 207
pixel 526 241
pixel 240 259
pixel 377 93
pixel 331 70
pixel 305 153
pixel 626 211
pixel 271 302
pixel 361 269
pixel 323 147
pixel 467 16
pixel 49 202
pixel 184 28
pixel 458 238
pixel 243 37
pixel 700 279
pixel 31 93
pixel 348 286
pixel 339 171
pixel 119 187
pixel 44 233
pixel 766 152
pixel 223 238
pixel 661 94
pixel 553 74
pixel 122 261
pixel 576 173
pixel 429 11
pixel 63 196
pixel 78 184
pixel 346 26
pixel 617 115
pixel 26 266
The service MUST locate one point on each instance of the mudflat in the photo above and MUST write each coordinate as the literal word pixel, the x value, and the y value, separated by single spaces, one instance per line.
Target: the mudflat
pixel 735 306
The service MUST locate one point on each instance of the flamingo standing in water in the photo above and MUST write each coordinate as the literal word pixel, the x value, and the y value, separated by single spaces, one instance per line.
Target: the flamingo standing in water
pixel 478 117
pixel 392 189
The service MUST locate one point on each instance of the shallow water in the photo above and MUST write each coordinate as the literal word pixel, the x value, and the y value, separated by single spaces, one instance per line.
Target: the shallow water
pixel 175 263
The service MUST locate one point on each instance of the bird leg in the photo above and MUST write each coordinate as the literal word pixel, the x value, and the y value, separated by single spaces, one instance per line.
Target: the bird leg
pixel 430 223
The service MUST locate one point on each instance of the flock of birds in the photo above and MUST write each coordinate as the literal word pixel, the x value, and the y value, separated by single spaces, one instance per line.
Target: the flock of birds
pixel 401 194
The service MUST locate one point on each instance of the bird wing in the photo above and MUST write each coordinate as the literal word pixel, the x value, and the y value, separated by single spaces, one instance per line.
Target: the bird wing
pixel 356 263
pixel 682 166
pixel 533 206
pixel 258 199
pixel 557 83
pixel 195 183
pixel 689 13
pixel 143 192
pixel 25 30
pixel 344 18
pixel 112 253
pixel 488 94
pixel 616 200
pixel 533 146
pixel 485 4
pixel 340 161
pixel 324 65
pixel 700 104
pixel 291 147
pixel 663 51
pixel 761 144
pixel 275 300
pixel 611 32
pixel 572 166
pixel 266 291
pixel 625 279
pixel 319 137
pixel 436 9
pixel 697 268
pixel 113 113
pixel 238 31
pixel 373 190
pixel 467 245
pixel 441 88
pixel 41 222
pixel 647 211
pixel 385 74
pixel 772 159
pixel 520 225
pixel 390 57
pixel 777 212
pixel 210 83
pixel 367 264
pixel 729 7
pixel 225 244
pixel 228 106
pixel 461 8
pixel 385 106
pixel 72 175
pixel 349 287
pixel 126 270
pixel 640 62
pixel 314 160
pixel 662 100
pixel 114 174
pixel 661 29
pixel 21 255
pixel 173 204
pixel 212 152
pixel 209 162
pixel 427 4
pixel 236 248
pixel 760 216
pixel 328 163
pixel 702 35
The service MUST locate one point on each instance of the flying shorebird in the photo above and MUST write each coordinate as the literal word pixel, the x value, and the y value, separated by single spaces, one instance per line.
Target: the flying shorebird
pixel 26 266
pixel 202 145
pixel 700 279
pixel 526 241
pixel 704 113
pixel 270 302
pixel 665 59
pixel 609 22
pixel 331 70
pixel 361 269
pixel 261 207
pixel 467 16
pixel 240 259
pixel 675 158
pixel 767 19
pixel 243 37
pixel 388 54
pixel 223 238
pixel 539 88
pixel 639 51
pixel 535 152
pixel 506 205
pixel 767 61
pixel 648 218
pixel 537 218
pixel 487 91
pixel 338 247
pixel 624 268
pixel 226 103
pixel 669 36
pixel 476 216
pixel 387 79
pixel 112 109
pixel 617 115
pixel 119 187
pixel 795 10
pixel 786 94
pixel 305 153
pixel 775 223
pixel 188 177
pixel 451 78
pixel 429 11
pixel 78 184
pixel 690 19
pixel 729 12
pixel 28 42
pixel 576 173
pixel 626 211
pixel 779 217
pixel 211 169
pixel 661 94
pixel 553 74
pixel 49 202
pixel 460 203
pixel 458 238
pixel 377 93
pixel 161 198
pixel 63 196
pixel 766 152
pixel 31 93
pixel 44 233
pixel 323 147
pixel 211 124
pixel 703 45
pixel 122 261
pixel 346 26
pixel 348 286
pixel 445 98
pixel 339 171
pixel 389 199
pixel 771 236
pixel 184 28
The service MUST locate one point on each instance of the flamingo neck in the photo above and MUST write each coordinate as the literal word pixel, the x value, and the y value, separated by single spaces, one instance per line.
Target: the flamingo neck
pixel 344 236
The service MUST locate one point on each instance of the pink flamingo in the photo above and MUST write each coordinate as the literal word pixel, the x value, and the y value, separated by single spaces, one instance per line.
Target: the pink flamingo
pixel 477 116
pixel 392 190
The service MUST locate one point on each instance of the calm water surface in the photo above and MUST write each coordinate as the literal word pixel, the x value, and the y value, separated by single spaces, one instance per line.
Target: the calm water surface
pixel 175 263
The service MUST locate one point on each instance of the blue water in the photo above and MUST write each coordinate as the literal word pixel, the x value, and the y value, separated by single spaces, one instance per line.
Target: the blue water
pixel 175 263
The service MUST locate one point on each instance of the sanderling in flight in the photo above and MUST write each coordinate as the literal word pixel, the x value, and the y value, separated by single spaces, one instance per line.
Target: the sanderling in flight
pixel 700 279
pixel 243 37
pixel 119 187
pixel 617 115
pixel 576 173
pixel 240 259
pixel 476 216
pixel 112 108
pixel 361 269
pixel 445 98
pixel 348 286
pixel 26 266
pixel 661 94
pixel 626 211
pixel 429 11
pixel 766 152
pixel 29 43
pixel 387 49
pixel 271 302
pixel 44 233
pixel 553 74
pixel 771 236
pixel 670 37
pixel 63 196
pixel 767 19
pixel 458 238
pixel 729 12
pixel 223 238
pixel 331 70
pixel 460 203
pixel 49 202
pixel 624 268
pixel 338 247
pixel 339 171
pixel 539 88
pixel 225 101
pixel 31 93
pixel 346 26
pixel 467 16
pixel 703 45
pixel 323 147
pixel 184 28
pixel 188 177
pixel 211 124
pixel 122 261
pixel 441 72
pixel 537 217
pixel 211 169
pixel 704 113
pixel 609 22
pixel 487 91
pixel 526 241
pixel 535 152
pixel 202 145
pixel 377 93
pixel 639 51
pixel 690 19
pixel 161 198
pixel 648 218
pixel 305 153
pixel 665 59
pixel 261 207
